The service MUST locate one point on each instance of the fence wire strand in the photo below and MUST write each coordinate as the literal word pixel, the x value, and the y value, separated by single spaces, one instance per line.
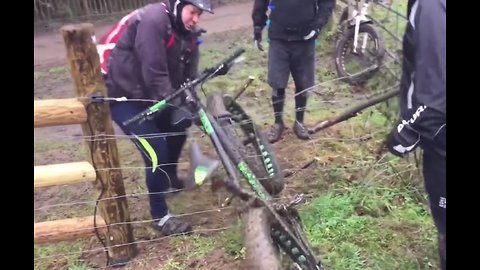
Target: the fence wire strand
pixel 135 242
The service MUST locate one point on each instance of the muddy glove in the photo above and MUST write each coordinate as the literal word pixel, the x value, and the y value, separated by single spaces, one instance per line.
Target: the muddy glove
pixel 198 31
pixel 257 36
pixel 181 117
pixel 310 35
pixel 402 140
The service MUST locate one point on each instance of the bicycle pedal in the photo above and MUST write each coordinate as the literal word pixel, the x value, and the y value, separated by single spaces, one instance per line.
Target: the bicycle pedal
pixel 297 199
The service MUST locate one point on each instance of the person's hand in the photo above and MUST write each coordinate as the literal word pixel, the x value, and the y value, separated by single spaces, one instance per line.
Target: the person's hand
pixel 198 31
pixel 177 102
pixel 402 140
pixel 257 37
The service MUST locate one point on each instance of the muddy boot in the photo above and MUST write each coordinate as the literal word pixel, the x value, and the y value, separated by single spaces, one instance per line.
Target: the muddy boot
pixel 169 225
pixel 301 131
pixel 276 132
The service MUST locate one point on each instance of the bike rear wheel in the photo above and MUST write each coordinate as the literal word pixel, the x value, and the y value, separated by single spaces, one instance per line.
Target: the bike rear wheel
pixel 252 146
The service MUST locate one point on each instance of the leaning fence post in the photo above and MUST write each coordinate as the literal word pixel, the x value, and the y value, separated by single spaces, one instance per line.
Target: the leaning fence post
pixel 85 70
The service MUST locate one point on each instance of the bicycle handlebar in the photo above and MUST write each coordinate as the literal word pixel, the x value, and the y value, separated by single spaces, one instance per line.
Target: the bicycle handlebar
pixel 205 75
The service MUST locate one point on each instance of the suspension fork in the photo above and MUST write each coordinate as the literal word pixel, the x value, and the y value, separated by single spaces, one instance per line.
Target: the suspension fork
pixel 361 17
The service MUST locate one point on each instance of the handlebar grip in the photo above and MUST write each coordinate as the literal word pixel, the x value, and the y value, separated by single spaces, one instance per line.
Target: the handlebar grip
pixel 235 54
pixel 157 108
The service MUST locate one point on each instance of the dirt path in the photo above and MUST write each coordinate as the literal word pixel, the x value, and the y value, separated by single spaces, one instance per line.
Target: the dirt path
pixel 49 48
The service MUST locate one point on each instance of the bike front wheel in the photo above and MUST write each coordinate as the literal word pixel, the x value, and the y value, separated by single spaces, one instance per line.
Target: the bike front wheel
pixel 250 143
pixel 358 65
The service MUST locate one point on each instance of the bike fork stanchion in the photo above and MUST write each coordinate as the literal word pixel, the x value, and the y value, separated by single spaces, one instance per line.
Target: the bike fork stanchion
pixel 355 37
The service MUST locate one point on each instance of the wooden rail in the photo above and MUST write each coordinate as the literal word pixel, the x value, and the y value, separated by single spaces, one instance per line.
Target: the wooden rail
pixel 67 229
pixel 55 112
pixel 63 174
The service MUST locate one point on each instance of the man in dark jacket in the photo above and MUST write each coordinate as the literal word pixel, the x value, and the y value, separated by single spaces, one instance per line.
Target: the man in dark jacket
pixel 156 52
pixel 293 27
pixel 423 103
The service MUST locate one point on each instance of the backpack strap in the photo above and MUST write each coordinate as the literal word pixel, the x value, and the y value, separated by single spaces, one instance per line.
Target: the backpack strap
pixel 108 41
pixel 171 40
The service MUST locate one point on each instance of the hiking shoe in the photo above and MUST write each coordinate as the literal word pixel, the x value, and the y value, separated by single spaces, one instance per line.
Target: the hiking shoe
pixel 275 132
pixel 171 226
pixel 301 131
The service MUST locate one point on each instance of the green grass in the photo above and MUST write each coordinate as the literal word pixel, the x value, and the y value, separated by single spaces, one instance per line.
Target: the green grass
pixel 79 266
pixel 51 76
pixel 232 243
pixel 194 246
pixel 62 255
pixel 371 227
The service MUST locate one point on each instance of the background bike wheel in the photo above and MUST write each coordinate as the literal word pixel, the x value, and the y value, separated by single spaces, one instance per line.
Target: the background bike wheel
pixel 357 68
pixel 250 152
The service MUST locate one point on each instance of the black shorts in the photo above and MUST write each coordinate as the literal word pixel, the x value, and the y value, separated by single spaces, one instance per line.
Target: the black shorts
pixel 296 57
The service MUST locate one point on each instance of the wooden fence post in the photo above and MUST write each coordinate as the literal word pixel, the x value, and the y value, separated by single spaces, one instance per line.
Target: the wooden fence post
pixel 85 70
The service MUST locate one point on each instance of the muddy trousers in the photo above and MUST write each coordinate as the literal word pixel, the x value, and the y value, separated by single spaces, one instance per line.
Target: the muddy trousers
pixel 434 172
pixel 160 151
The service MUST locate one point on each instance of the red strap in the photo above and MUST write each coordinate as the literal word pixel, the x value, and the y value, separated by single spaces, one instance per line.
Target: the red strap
pixel 171 40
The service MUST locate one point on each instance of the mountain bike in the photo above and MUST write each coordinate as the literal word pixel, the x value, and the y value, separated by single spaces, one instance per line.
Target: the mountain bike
pixel 248 154
pixel 359 48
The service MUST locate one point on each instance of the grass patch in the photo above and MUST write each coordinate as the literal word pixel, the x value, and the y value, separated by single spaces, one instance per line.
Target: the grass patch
pixel 62 255
pixel 371 227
